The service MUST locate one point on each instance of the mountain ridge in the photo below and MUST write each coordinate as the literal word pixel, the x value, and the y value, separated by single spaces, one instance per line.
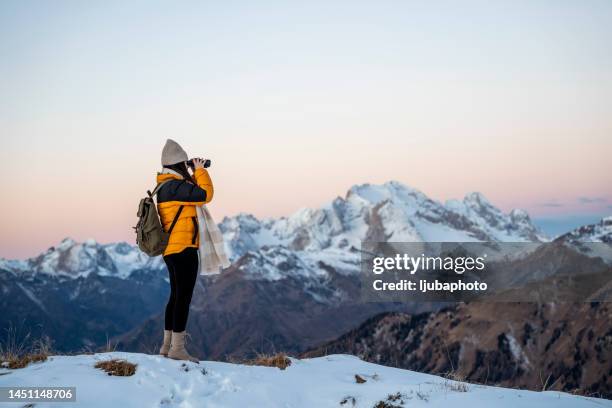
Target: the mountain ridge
pixel 390 211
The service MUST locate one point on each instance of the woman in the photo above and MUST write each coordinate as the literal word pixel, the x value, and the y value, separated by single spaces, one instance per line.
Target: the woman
pixel 177 199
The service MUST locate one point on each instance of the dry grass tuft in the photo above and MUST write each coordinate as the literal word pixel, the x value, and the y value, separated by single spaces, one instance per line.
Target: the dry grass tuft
pixel 455 382
pixel 279 360
pixel 121 368
pixel 393 401
pixel 15 355
pixel 21 361
pixel 457 387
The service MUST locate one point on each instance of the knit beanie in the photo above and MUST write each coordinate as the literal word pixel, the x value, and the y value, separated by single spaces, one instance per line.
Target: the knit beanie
pixel 173 153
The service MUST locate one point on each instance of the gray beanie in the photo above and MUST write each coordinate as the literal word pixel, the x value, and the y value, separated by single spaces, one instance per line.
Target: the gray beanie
pixel 173 153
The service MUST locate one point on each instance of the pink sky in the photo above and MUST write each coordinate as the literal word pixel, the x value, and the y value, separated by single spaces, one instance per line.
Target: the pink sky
pixel 294 106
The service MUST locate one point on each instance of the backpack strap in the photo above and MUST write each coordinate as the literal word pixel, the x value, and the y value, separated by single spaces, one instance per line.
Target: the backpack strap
pixel 176 217
pixel 156 189
pixel 195 230
pixel 178 213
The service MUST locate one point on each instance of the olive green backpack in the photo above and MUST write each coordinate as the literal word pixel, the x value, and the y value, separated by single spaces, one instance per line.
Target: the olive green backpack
pixel 150 235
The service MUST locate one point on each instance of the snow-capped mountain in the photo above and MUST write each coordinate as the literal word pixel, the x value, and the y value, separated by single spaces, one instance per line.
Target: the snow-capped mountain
pixel 390 212
pixel 318 382
pixel 331 234
pixel 70 259
pixel 594 240
pixel 80 294
pixel 600 232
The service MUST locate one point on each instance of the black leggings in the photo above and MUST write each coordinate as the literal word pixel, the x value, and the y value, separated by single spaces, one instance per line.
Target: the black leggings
pixel 183 271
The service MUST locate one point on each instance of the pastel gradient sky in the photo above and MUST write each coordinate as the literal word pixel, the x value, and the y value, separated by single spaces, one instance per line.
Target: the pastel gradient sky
pixel 295 102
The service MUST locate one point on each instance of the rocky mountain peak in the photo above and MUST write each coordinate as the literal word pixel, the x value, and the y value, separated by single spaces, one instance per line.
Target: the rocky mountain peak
pixel 71 259
pixel 390 211
pixel 598 232
pixel 477 200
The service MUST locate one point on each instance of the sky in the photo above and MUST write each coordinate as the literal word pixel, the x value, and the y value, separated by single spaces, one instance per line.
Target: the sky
pixel 295 102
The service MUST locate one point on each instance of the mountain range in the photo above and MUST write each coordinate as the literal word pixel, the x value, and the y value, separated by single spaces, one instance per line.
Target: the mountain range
pixel 293 283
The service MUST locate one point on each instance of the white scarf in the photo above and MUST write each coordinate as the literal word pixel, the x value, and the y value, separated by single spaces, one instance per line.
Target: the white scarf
pixel 212 248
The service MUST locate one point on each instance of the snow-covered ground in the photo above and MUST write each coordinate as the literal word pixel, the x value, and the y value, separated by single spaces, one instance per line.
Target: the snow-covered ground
pixel 318 382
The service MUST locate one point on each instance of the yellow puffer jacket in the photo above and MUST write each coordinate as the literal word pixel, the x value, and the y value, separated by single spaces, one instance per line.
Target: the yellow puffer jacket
pixel 177 193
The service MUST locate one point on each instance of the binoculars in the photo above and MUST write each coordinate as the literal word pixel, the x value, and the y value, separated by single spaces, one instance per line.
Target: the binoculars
pixel 206 163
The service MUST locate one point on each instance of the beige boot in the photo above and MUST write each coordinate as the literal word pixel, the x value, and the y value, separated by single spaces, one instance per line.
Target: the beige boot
pixel 177 349
pixel 165 348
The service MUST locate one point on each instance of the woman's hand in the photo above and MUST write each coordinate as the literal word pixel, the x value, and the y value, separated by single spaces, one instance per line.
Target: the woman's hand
pixel 198 164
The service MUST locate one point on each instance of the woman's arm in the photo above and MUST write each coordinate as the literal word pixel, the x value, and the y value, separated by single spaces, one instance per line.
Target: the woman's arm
pixel 204 182
pixel 187 193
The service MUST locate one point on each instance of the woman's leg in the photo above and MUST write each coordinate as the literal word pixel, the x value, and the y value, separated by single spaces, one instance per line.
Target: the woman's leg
pixel 169 315
pixel 186 273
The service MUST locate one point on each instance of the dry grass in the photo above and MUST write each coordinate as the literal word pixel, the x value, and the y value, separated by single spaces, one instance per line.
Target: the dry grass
pixel 21 361
pixel 118 367
pixel 393 401
pixel 110 347
pixel 279 360
pixel 455 382
pixel 14 355
pixel 456 386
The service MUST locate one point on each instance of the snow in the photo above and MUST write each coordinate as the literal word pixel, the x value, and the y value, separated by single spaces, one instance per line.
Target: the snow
pixel 441 233
pixel 319 382
pixel 276 263
pixel 90 242
pixel 517 351
pixel 15 265
pixel 128 258
pixel 600 232
pixel 343 261
pixel 370 193
pixel 593 240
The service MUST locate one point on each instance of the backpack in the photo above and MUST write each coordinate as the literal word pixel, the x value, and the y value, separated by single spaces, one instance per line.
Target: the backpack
pixel 150 235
